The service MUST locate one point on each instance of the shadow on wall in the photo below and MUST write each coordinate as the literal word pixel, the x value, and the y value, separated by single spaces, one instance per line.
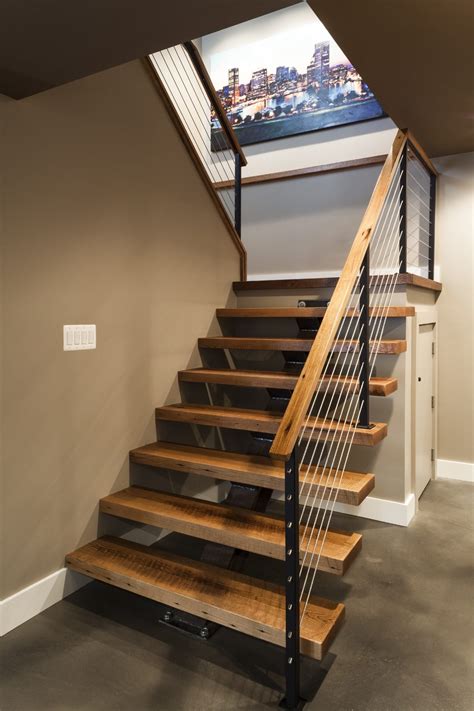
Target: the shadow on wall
pixel 316 141
pixel 304 226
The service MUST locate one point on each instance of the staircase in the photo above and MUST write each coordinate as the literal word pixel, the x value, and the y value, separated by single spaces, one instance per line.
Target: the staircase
pixel 282 396
pixel 222 595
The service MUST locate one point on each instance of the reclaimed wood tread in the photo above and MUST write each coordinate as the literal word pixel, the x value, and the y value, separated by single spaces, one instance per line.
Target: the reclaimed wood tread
pixel 383 347
pixel 281 380
pixel 233 526
pixel 312 312
pixel 328 283
pixel 345 487
pixel 236 418
pixel 249 605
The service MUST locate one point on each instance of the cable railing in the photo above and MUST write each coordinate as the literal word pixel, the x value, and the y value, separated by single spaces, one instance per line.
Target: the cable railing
pixel 331 402
pixel 418 213
pixel 187 85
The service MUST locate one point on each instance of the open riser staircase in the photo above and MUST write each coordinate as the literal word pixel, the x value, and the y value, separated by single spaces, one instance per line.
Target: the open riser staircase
pixel 281 397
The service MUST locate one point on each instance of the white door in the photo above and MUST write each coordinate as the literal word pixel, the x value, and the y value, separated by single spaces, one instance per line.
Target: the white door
pixel 424 444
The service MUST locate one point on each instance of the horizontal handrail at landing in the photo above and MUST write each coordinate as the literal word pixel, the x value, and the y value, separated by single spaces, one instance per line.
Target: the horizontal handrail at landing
pixel 306 172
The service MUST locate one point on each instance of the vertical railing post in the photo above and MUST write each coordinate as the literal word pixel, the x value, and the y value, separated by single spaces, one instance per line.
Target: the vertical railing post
pixel 238 195
pixel 431 240
pixel 292 592
pixel 364 342
pixel 403 209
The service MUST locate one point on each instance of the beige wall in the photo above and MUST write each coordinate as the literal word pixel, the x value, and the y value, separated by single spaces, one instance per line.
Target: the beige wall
pixel 455 256
pixel 108 222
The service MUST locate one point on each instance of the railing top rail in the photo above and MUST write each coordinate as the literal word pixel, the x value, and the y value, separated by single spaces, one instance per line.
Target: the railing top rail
pixel 203 74
pixel 420 152
pixel 295 413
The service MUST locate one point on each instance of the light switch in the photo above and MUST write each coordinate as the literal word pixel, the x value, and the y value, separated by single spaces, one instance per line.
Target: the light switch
pixel 80 337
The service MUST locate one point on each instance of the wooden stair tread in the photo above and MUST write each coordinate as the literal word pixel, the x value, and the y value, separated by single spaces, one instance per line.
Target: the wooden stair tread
pixel 351 488
pixel 311 312
pixel 328 283
pixel 234 600
pixel 384 347
pixel 231 526
pixel 278 379
pixel 264 421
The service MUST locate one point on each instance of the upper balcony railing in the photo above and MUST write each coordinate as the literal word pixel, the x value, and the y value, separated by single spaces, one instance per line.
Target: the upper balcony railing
pixel 187 88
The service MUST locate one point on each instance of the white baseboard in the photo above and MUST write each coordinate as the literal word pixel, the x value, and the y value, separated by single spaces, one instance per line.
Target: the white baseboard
pixel 26 603
pixel 293 275
pixel 399 513
pixel 462 471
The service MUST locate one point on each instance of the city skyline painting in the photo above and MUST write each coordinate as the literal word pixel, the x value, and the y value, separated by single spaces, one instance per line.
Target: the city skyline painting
pixel 294 82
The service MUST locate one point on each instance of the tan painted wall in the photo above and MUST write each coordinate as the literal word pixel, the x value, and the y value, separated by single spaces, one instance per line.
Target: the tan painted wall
pixel 455 256
pixel 108 222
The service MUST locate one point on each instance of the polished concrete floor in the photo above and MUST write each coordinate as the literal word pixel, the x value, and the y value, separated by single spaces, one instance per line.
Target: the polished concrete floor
pixel 407 644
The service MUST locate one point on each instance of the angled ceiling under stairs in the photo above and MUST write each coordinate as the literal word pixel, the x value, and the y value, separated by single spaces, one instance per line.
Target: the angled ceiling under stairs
pixel 417 58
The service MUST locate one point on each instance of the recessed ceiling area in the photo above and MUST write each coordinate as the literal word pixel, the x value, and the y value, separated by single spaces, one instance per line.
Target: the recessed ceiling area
pixel 48 43
pixel 417 57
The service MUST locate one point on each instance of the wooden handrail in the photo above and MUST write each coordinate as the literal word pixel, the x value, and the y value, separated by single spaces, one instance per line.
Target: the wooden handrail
pixel 292 421
pixel 206 80
pixel 420 151
pixel 305 172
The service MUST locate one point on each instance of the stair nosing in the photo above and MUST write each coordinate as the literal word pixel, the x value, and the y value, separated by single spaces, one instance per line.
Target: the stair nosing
pixel 248 469
pixel 248 604
pixel 228 525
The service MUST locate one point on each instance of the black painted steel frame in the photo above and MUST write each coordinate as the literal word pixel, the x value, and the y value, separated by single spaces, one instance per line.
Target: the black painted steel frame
pixel 431 239
pixel 238 194
pixel 364 343
pixel 403 210
pixel 292 699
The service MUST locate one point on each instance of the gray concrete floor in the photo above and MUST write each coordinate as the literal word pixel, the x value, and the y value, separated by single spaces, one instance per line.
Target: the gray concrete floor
pixel 407 644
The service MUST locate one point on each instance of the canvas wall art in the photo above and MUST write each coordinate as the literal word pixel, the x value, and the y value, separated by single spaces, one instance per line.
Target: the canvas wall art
pixel 293 82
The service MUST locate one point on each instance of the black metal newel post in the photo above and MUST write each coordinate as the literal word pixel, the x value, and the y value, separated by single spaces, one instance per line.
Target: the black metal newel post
pixel 403 210
pixel 292 597
pixel 238 194
pixel 364 342
pixel 431 241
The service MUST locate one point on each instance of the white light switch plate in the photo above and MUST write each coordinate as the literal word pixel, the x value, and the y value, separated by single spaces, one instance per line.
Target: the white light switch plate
pixel 79 337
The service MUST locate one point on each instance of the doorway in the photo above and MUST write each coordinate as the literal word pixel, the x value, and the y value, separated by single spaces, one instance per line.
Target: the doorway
pixel 425 405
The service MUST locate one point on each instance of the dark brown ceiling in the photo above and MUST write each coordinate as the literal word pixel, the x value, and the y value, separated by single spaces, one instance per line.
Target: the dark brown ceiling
pixel 417 57
pixel 44 43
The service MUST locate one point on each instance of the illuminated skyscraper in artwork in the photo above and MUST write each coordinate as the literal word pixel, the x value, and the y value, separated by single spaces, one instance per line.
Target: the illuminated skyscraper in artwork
pixel 234 91
pixel 259 82
pixel 320 64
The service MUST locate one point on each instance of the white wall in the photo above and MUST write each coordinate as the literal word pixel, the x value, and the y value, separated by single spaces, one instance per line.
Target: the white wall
pixel 302 227
pixel 455 258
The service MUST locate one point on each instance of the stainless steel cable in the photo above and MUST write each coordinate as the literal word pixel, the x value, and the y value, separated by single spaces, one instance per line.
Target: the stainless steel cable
pixel 390 246
pixel 227 200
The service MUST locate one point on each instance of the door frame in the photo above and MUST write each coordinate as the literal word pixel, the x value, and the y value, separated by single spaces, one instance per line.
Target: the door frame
pixel 425 317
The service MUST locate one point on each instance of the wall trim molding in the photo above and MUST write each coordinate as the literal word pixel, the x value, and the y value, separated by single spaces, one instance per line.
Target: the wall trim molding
pixel 29 602
pixel 295 275
pixel 449 469
pixel 399 513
